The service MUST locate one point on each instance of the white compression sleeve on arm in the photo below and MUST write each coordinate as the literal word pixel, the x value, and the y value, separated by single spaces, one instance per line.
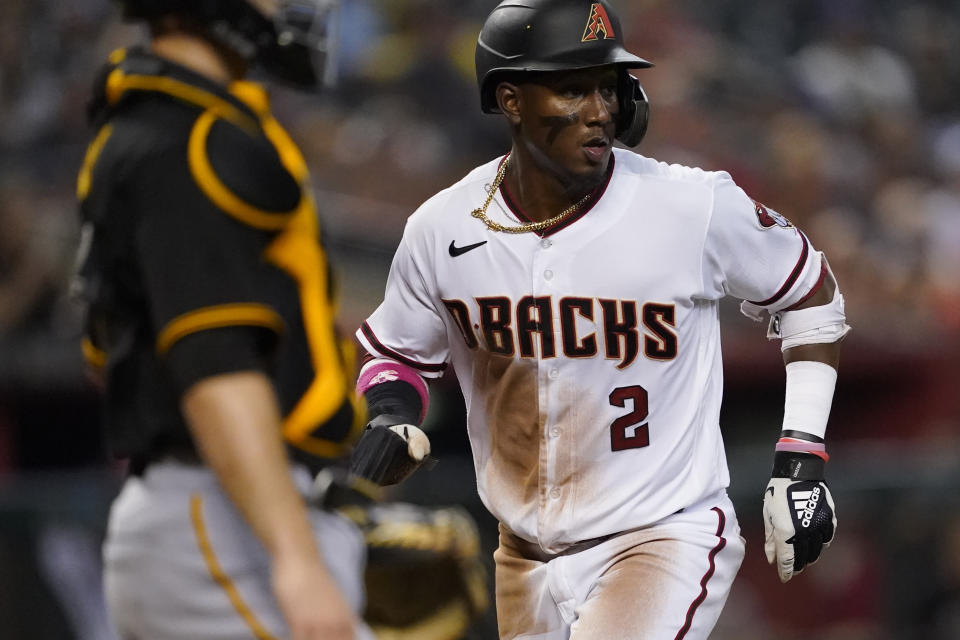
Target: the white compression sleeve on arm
pixel 808 396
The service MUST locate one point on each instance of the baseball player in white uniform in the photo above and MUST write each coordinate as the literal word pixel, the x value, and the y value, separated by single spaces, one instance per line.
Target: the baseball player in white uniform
pixel 574 290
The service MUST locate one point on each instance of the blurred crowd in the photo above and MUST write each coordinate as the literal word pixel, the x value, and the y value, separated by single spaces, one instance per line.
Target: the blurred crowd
pixel 840 114
pixel 843 115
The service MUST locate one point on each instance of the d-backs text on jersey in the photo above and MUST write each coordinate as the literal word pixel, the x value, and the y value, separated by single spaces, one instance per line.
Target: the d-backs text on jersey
pixel 508 328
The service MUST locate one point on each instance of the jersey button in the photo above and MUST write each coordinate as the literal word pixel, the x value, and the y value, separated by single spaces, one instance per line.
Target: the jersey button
pixel 555 493
pixel 548 275
pixel 555 432
pixel 554 374
pixel 546 243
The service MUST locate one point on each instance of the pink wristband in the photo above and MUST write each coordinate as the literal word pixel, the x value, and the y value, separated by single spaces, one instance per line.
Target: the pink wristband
pixel 381 370
pixel 802 446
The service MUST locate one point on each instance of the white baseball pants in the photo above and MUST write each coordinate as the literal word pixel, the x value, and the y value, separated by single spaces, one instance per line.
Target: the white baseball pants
pixel 667 581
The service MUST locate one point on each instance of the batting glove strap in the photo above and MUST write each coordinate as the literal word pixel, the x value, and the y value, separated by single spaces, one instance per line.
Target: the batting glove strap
pixel 799 520
pixel 798 466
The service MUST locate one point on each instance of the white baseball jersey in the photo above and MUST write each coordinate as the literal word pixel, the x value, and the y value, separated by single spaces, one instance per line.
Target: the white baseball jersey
pixel 589 354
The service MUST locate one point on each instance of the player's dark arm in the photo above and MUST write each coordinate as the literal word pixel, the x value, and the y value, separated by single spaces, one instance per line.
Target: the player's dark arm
pixel 392 446
pixel 829 352
pixel 811 332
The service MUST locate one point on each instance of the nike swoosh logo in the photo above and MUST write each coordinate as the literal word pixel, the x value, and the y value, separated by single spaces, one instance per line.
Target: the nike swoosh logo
pixel 459 251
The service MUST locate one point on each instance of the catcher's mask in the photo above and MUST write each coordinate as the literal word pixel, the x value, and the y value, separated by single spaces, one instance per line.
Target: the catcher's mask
pixel 296 44
pixel 557 35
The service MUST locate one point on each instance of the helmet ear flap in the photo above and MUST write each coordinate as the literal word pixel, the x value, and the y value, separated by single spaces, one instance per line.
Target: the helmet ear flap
pixel 634 110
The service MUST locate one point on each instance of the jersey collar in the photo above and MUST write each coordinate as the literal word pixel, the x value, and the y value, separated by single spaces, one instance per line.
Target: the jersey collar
pixel 596 194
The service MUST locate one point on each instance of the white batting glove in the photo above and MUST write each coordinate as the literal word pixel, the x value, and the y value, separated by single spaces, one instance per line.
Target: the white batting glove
pixel 799 517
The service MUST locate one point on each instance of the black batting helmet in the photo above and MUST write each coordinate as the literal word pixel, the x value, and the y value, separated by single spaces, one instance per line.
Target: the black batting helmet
pixel 296 44
pixel 556 35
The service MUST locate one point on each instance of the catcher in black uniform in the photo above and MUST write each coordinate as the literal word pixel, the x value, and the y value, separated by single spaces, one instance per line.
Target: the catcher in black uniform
pixel 210 316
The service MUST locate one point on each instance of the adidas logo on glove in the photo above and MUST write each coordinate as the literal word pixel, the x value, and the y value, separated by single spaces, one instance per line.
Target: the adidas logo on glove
pixel 805 503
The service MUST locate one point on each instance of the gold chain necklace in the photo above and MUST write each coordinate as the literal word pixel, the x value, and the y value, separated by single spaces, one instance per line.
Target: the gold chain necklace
pixel 481 213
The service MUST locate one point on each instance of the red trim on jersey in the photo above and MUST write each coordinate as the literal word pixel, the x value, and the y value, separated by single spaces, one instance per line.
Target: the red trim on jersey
pixel 390 353
pixel 706 577
pixel 792 279
pixel 816 287
pixel 595 196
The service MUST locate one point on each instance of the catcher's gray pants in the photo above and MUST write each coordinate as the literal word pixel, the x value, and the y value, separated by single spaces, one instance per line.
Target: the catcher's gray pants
pixel 180 562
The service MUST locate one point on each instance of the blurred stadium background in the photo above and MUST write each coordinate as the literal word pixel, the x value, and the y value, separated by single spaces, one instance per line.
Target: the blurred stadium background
pixel 844 115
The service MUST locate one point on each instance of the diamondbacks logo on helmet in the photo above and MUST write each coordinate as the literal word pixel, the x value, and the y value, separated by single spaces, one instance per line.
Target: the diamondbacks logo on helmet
pixel 598 22
pixel 769 218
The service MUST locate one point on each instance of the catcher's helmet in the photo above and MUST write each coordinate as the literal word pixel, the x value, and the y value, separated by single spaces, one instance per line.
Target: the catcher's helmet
pixel 296 44
pixel 555 35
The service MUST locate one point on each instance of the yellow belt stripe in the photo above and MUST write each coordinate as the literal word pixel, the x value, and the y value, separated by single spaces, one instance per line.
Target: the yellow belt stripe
pixel 225 315
pixel 217 573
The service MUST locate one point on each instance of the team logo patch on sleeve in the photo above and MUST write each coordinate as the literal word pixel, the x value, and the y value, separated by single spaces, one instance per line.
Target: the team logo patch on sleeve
pixel 597 23
pixel 769 218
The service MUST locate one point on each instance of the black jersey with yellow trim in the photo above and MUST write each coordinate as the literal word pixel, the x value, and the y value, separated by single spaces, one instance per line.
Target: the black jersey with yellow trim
pixel 202 256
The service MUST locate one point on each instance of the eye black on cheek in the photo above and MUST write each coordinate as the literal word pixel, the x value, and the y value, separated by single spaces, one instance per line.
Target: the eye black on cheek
pixel 556 124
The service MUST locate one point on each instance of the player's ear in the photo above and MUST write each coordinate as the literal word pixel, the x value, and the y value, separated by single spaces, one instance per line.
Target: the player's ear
pixel 508 99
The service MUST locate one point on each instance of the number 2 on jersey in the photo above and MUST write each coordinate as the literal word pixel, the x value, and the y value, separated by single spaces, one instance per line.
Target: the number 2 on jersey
pixel 626 432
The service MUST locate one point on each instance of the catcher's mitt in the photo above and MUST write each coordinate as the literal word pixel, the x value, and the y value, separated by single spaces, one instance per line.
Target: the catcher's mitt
pixel 424 577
